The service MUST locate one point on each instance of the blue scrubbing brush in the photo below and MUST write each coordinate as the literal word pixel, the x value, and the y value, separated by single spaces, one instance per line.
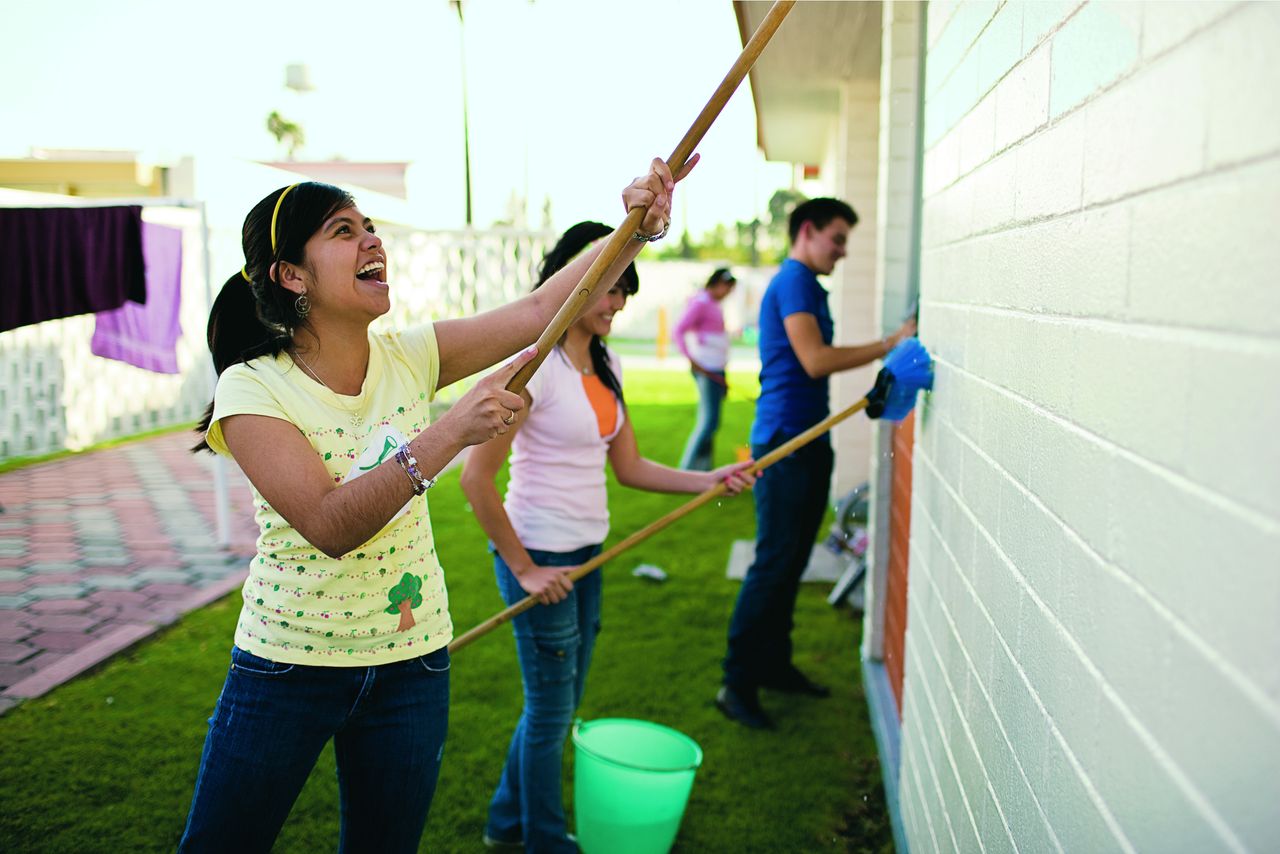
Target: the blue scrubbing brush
pixel 907 369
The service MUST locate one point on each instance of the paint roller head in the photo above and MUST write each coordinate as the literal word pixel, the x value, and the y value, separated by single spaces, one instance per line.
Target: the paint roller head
pixel 907 369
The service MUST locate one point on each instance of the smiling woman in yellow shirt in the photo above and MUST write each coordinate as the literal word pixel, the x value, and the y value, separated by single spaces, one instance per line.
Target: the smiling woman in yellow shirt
pixel 344 628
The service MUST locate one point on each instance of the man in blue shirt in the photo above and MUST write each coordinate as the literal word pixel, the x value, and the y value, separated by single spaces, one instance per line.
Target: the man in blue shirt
pixel 796 357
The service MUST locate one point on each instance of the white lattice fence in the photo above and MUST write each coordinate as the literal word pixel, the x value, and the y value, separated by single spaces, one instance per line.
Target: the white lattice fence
pixel 444 274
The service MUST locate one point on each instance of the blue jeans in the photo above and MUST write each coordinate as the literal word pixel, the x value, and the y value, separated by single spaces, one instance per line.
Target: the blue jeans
pixel 697 451
pixel 388 725
pixel 791 498
pixel 554 644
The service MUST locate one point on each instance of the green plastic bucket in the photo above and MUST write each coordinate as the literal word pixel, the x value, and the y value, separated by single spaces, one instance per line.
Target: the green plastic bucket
pixel 631 783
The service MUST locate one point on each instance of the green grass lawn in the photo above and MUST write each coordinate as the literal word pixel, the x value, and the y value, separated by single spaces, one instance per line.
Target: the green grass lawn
pixel 108 762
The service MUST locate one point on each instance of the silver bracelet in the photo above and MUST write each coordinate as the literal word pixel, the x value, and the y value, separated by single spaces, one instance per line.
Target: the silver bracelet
pixel 410 465
pixel 653 238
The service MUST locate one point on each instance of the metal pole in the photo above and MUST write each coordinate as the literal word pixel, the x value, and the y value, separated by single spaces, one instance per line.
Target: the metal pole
pixel 466 127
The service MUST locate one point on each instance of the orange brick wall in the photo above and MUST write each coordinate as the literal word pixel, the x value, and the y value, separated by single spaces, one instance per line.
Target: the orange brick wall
pixel 895 617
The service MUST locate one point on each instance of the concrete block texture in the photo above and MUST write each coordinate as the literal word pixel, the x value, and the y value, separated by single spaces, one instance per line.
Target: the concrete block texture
pixel 1149 130
pixel 1090 663
pixel 1094 48
pixel 1238 57
pixel 1022 98
pixel 1050 167
pixel 1201 249
pixel 1040 20
pixel 1166 25
pixel 1000 46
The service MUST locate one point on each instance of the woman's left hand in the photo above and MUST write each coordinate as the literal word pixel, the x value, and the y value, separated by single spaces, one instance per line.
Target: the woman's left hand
pixel 653 192
pixel 734 476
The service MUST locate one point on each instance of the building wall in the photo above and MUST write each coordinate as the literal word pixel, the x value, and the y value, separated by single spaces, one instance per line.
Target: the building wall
pixel 1091 653
pixel 853 284
pixel 896 271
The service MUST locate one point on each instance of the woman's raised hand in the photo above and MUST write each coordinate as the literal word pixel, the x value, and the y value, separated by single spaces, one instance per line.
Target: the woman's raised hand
pixel 488 409
pixel 653 192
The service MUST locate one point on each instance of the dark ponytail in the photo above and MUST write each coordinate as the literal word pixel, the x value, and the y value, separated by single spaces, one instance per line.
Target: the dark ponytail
pixel 569 246
pixel 253 315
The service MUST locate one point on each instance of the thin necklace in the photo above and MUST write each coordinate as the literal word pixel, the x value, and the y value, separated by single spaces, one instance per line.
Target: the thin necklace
pixel 586 372
pixel 356 419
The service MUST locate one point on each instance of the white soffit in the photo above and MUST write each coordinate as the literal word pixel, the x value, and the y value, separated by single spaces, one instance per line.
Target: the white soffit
pixel 796 82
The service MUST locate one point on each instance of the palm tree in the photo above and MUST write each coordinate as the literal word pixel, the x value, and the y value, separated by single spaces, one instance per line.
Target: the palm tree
pixel 286 132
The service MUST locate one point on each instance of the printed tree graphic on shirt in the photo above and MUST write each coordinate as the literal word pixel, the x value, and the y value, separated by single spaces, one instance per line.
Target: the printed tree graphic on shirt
pixel 404 597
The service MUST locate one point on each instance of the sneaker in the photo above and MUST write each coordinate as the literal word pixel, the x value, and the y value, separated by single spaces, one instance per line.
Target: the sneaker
pixel 502 844
pixel 743 707
pixel 796 682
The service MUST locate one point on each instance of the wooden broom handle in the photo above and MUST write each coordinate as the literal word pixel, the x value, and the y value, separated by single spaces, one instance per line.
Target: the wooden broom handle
pixel 574 304
pixel 783 450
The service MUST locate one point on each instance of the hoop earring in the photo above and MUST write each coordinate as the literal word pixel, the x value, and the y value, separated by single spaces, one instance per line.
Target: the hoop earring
pixel 302 305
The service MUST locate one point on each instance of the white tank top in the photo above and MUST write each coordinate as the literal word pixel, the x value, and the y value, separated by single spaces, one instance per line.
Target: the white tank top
pixel 556 498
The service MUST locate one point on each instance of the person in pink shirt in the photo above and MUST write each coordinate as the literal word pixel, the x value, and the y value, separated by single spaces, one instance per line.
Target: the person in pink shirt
pixel 555 517
pixel 700 335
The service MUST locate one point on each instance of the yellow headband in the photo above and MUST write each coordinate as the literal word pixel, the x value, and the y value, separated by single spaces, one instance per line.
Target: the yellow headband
pixel 275 213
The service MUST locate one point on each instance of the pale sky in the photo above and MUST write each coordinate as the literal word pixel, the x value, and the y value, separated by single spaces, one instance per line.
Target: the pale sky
pixel 569 98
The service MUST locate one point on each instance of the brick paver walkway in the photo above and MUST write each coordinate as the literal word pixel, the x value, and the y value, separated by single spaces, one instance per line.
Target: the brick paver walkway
pixel 102 549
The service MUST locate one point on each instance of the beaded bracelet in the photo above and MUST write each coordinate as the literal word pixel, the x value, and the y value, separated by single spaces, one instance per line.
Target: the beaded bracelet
pixel 410 465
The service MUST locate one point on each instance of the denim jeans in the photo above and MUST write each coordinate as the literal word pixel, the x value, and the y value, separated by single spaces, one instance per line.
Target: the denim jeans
pixel 388 725
pixel 554 644
pixel 791 498
pixel 697 451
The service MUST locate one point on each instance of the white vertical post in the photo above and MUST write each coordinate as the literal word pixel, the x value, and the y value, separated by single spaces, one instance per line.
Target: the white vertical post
pixel 222 512
pixel 897 261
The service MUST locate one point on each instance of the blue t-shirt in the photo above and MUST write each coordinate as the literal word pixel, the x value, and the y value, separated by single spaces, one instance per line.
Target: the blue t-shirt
pixel 790 400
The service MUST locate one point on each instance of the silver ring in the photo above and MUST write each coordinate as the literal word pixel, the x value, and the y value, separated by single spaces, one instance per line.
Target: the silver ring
pixel 651 238
pixel 510 419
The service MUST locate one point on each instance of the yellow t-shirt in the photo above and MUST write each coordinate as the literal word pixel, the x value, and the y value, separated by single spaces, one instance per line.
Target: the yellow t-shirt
pixel 384 601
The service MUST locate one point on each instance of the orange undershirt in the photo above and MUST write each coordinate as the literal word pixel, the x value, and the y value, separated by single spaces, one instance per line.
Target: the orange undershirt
pixel 603 402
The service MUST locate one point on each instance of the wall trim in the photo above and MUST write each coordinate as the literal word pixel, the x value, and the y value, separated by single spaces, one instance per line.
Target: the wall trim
pixel 888 733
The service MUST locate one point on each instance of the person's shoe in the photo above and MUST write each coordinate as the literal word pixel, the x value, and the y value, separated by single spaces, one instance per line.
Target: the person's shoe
pixel 502 844
pixel 796 682
pixel 743 708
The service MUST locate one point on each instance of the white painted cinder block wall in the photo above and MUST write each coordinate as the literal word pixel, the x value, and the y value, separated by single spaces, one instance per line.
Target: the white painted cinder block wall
pixel 1092 651
pixel 853 284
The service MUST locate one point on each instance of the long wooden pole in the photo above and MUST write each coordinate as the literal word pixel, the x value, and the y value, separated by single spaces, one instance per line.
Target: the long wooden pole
pixel 618 240
pixel 652 528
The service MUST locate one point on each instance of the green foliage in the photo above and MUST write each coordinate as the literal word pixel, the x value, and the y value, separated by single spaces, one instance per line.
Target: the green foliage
pixel 286 133
pixel 751 243
pixel 781 204
pixel 108 761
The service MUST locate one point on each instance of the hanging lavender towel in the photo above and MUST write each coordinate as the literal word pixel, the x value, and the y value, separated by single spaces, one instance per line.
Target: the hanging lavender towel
pixel 146 336
pixel 58 262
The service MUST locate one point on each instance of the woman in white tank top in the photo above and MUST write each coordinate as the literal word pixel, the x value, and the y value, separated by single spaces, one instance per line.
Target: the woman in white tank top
pixel 555 518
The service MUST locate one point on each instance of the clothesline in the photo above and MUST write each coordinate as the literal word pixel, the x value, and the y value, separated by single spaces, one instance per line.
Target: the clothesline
pixel 25 201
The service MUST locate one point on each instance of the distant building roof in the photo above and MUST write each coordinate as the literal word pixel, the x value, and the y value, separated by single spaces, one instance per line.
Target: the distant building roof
pixel 84 172
pixel 385 177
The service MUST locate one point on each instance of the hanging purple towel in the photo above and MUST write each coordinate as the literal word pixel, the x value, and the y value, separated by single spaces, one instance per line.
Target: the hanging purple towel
pixel 58 262
pixel 146 336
